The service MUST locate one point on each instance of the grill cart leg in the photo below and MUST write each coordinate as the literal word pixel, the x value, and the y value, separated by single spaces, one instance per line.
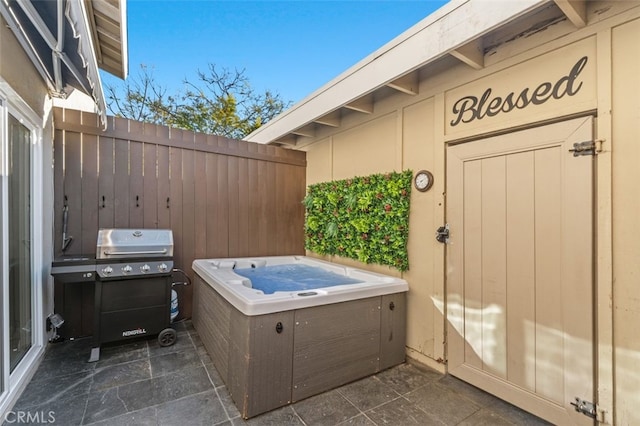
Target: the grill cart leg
pixel 97 302
pixel 95 354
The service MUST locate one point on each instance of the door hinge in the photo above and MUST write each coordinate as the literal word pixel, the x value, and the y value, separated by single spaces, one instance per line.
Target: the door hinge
pixel 442 234
pixel 587 147
pixel 585 407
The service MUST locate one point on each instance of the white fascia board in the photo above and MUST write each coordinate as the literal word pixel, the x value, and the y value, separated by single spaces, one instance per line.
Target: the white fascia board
pixel 454 25
pixel 124 38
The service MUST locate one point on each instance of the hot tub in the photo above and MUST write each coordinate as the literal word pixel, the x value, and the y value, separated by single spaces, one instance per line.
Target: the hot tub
pixel 272 346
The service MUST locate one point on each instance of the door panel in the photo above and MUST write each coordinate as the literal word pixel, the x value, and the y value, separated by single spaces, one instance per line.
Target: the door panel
pixel 520 268
pixel 520 255
pixel 20 286
pixel 548 254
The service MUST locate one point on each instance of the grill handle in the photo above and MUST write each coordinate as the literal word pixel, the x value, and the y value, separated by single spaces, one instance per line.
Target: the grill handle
pixel 115 253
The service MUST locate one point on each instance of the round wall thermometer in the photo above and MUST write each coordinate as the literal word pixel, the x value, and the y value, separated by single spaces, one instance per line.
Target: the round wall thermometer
pixel 423 180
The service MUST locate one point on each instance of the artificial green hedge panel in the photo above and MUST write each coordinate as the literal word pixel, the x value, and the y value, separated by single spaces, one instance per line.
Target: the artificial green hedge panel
pixel 364 218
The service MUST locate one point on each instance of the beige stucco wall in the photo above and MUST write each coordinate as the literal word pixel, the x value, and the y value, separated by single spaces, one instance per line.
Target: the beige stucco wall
pixel 410 132
pixel 626 227
pixel 423 150
pixel 17 70
pixel 366 149
pixel 399 140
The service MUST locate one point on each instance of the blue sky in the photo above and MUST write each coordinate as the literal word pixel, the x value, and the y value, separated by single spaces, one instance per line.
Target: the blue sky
pixel 289 47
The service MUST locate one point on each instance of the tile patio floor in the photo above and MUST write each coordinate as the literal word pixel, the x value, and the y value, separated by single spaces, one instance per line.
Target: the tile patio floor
pixel 140 383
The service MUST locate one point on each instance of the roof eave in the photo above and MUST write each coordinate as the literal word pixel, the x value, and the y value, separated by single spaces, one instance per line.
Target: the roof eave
pixel 441 33
pixel 108 24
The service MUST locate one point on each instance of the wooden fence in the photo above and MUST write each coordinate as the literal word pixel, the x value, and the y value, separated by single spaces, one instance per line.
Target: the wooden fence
pixel 221 197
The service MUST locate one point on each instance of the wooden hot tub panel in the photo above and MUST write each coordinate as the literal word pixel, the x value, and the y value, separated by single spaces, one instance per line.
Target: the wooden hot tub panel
pixel 264 367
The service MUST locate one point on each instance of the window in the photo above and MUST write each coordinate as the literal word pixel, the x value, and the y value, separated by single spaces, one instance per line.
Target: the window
pixel 18 148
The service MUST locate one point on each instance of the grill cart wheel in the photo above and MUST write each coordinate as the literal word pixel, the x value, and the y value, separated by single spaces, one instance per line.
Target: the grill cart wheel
pixel 167 337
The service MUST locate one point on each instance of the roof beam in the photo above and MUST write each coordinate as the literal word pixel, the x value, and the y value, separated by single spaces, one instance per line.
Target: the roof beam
pixel 406 84
pixel 363 105
pixel 110 10
pixel 574 10
pixel 288 140
pixel 332 119
pixel 471 54
pixel 108 24
pixel 308 131
pixel 94 29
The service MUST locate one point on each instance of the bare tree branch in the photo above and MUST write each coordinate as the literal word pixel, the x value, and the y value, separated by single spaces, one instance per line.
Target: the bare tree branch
pixel 220 102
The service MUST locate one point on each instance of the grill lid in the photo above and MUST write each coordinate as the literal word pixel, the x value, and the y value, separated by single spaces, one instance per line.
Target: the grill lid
pixel 124 243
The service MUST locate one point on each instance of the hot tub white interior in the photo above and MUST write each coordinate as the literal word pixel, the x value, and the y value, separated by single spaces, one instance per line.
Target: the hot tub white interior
pixel 237 290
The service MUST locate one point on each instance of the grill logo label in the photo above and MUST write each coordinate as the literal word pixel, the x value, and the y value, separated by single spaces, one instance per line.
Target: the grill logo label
pixel 134 332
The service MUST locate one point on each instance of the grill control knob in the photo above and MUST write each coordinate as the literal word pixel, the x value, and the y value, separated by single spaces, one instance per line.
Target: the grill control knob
pixel 145 268
pixel 127 269
pixel 163 267
pixel 107 270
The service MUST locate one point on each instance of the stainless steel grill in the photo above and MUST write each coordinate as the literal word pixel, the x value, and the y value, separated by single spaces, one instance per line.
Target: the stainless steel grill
pixel 133 286
pixel 134 252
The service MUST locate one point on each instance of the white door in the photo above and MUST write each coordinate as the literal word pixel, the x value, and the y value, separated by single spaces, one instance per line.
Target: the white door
pixel 520 268
pixel 21 213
